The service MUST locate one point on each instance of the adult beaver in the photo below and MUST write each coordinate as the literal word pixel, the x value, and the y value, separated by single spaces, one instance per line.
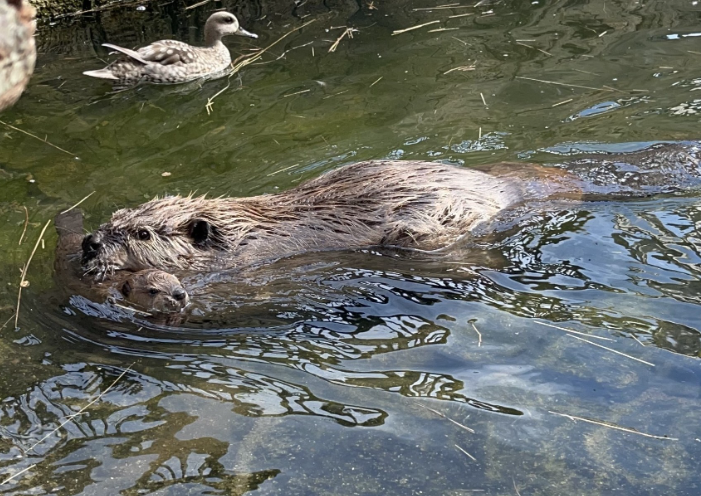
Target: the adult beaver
pixel 420 205
pixel 151 290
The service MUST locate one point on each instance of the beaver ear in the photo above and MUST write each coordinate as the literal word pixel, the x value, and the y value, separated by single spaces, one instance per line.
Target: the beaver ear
pixel 200 231
pixel 126 288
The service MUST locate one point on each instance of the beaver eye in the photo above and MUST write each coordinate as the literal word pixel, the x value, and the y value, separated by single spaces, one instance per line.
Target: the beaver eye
pixel 144 235
pixel 153 291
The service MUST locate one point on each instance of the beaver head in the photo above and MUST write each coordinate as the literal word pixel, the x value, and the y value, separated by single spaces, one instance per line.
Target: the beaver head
pixel 155 290
pixel 169 233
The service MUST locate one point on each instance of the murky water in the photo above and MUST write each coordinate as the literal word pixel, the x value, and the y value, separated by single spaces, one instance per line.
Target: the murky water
pixel 361 372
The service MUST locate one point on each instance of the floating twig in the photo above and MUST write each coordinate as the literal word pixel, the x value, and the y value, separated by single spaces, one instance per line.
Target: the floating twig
pixel 81 201
pixel 462 68
pixel 614 426
pixel 296 93
pixel 123 307
pixel 22 282
pixel 479 334
pixel 483 100
pixel 79 412
pixel 7 321
pixel 535 48
pixel 283 170
pixel 335 94
pixel 443 7
pixel 612 350
pixel 209 107
pixel 563 84
pixel 38 138
pixel 567 329
pixel 198 4
pixel 18 473
pixel 26 223
pixel 468 454
pixel 376 81
pixel 563 102
pixel 400 31
pixel 348 32
pixel 448 419
pixel 515 488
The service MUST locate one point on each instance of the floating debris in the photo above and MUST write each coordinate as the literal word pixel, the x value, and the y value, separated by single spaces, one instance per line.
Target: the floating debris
pixel 400 31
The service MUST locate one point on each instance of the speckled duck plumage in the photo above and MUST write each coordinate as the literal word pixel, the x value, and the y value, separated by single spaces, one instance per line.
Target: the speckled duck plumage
pixel 170 61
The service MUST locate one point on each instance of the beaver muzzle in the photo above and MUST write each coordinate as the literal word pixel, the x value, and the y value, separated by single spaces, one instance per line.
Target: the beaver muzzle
pixel 91 245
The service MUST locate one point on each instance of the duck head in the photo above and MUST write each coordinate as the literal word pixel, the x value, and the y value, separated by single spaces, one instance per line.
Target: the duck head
pixel 222 24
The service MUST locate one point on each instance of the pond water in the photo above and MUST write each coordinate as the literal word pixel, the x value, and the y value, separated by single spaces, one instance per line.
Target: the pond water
pixel 364 372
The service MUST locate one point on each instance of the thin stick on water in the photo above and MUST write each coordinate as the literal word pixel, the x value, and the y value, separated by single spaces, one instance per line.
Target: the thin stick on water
pixel 613 426
pixel 24 271
pixel 444 7
pixel 348 32
pixel 612 350
pixel 38 138
pixel 283 170
pixel 376 81
pixel 480 134
pixel 79 412
pixel 18 473
pixel 468 454
pixel 563 102
pixel 448 419
pixel 400 31
pixel 296 93
pixel 462 68
pixel 198 4
pixel 639 342
pixel 479 334
pixel 81 201
pixel 567 329
pixel 209 106
pixel 535 48
pixel 563 84
pixel 518 493
pixel 123 307
pixel 26 223
pixel 483 100
pixel 7 321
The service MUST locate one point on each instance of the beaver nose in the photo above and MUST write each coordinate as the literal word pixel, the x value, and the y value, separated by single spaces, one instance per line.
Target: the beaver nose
pixel 91 244
pixel 179 294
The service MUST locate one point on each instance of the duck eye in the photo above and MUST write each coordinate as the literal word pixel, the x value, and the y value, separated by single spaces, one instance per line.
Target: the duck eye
pixel 144 235
pixel 229 20
pixel 153 291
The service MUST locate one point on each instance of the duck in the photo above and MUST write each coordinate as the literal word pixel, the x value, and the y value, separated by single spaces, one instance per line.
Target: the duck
pixel 171 61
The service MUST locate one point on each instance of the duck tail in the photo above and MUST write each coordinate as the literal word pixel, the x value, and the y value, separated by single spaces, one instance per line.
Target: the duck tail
pixel 102 74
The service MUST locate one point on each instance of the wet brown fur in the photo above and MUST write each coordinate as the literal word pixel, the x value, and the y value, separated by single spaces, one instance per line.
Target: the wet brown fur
pixel 420 205
pixel 151 290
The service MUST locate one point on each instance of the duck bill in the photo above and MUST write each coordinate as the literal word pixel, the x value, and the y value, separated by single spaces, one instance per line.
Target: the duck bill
pixel 243 32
